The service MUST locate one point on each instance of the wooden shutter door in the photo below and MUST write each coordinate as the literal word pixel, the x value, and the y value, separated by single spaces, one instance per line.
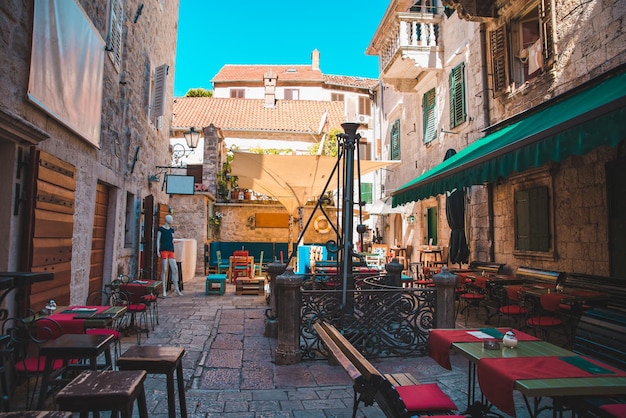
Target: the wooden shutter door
pixel 147 241
pixel 98 238
pixel 51 208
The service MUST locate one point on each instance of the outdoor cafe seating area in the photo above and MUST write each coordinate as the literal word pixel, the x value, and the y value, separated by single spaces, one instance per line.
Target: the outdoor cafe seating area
pixel 43 351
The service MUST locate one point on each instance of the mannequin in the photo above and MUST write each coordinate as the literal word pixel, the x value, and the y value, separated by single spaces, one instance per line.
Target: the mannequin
pixel 165 250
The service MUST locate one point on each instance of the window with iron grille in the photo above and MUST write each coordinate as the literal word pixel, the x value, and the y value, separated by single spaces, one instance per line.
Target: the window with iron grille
pixel 430 120
pixel 458 113
pixel 394 140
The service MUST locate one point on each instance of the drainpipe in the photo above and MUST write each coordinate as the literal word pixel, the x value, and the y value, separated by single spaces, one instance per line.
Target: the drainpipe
pixel 487 122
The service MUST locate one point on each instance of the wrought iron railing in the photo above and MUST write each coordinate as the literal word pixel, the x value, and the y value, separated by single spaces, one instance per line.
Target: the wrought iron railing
pixel 380 321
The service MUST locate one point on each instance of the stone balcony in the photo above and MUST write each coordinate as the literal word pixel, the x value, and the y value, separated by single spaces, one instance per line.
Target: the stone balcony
pixel 408 45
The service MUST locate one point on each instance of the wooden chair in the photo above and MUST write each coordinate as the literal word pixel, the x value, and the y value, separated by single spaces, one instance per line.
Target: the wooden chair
pixel 240 265
pixel 258 268
pixel 222 265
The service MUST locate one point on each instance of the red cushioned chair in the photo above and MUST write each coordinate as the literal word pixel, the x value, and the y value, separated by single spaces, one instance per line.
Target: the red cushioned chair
pixel 513 309
pixel 546 317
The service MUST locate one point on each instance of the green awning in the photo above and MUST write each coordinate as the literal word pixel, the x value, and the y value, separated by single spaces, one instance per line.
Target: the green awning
pixel 573 125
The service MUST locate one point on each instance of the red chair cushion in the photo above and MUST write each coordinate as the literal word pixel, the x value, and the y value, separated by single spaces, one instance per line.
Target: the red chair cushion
pixel 149 298
pixel 426 397
pixel 472 296
pixel 136 307
pixel 615 409
pixel 513 310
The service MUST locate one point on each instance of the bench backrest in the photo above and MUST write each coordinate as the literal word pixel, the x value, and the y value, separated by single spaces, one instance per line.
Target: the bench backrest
pixel 540 275
pixel 601 334
pixel 368 381
pixel 495 268
pixel 614 287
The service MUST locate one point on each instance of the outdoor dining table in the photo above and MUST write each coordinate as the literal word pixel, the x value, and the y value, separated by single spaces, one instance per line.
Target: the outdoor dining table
pixel 77 352
pixel 537 369
pixel 137 289
pixel 75 319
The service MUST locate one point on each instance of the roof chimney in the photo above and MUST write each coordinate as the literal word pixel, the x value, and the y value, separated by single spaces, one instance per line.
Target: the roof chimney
pixel 315 60
pixel 269 80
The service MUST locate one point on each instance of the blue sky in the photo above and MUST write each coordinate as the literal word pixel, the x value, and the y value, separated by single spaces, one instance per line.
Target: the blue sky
pixel 212 33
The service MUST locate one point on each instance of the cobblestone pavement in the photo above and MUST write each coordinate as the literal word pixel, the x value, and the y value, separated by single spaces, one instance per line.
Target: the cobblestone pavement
pixel 229 369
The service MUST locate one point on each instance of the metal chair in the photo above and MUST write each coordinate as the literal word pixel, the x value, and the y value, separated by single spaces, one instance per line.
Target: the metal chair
pixel 103 298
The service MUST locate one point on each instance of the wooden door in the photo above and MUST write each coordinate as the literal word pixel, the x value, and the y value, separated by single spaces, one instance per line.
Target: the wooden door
pixel 147 240
pixel 98 238
pixel 50 227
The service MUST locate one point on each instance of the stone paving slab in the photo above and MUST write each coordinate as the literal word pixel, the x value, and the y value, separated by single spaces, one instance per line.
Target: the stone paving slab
pixel 229 369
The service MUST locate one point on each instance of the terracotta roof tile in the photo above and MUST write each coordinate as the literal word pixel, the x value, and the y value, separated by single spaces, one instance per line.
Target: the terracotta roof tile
pixel 349 81
pixel 254 73
pixel 249 114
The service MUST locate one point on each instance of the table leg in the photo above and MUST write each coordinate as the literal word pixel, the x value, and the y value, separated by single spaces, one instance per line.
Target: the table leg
pixel 44 382
pixel 181 390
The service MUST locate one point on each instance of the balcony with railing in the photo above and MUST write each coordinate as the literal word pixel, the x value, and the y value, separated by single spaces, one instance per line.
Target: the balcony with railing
pixel 408 44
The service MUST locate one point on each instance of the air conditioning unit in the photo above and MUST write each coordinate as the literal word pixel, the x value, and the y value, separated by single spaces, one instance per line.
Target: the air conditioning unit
pixel 363 119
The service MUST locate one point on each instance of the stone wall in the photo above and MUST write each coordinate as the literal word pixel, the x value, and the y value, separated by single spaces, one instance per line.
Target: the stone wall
pixel 131 146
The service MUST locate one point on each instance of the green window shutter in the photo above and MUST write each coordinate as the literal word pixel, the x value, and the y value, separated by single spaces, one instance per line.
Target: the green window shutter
pixel 499 60
pixel 394 142
pixel 522 220
pixel 539 219
pixel 366 193
pixel 532 220
pixel 457 96
pixel 430 123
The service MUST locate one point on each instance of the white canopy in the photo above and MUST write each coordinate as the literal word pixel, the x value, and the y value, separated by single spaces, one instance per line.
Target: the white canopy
pixel 291 179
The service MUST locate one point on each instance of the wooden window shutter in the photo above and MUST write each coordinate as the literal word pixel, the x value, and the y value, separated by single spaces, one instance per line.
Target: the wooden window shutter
pixel 499 59
pixel 522 220
pixel 547 30
pixel 430 123
pixel 458 112
pixel 539 219
pixel 158 101
pixel 394 141
pixel 115 36
pixel 49 243
pixel 366 192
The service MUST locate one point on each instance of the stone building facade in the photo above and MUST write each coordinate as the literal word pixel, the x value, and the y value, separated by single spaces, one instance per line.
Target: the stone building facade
pixel 107 178
pixel 522 60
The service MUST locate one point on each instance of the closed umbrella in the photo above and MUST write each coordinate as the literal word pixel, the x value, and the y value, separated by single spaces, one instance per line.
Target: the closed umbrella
pixel 455 213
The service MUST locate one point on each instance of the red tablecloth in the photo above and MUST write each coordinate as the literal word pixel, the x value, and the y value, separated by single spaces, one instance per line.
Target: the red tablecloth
pixel 135 290
pixel 497 376
pixel 68 321
pixel 440 340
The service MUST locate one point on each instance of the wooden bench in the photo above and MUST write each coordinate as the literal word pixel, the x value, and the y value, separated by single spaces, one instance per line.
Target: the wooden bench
pixel 397 395
pixel 247 286
pixel 487 267
pixel 537 275
pixel 600 335
pixel 614 288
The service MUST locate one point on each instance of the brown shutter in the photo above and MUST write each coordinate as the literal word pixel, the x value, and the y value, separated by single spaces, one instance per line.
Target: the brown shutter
pixel 547 31
pixel 499 59
pixel 52 216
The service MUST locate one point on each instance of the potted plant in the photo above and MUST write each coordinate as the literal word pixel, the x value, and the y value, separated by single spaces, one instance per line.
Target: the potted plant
pixel 215 221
